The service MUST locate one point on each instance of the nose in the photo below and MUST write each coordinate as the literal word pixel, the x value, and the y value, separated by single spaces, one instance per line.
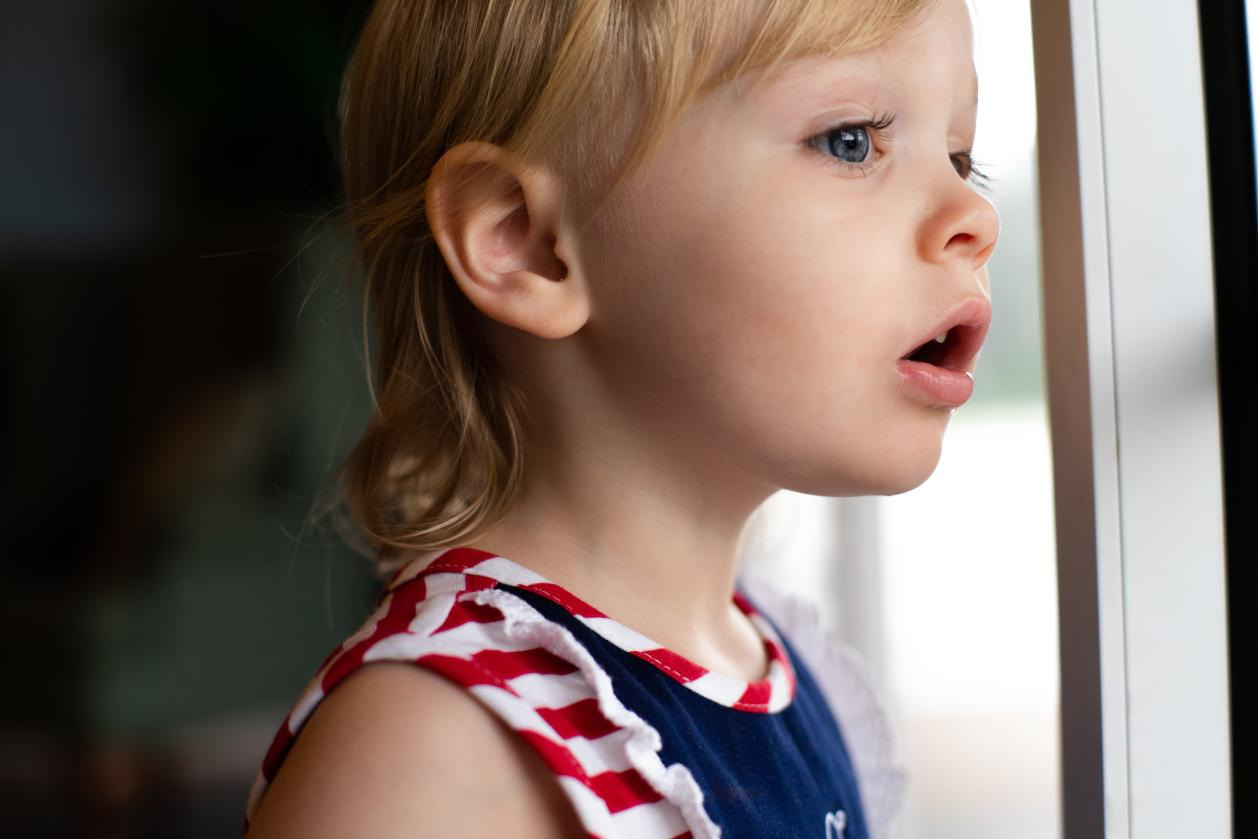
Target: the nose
pixel 960 225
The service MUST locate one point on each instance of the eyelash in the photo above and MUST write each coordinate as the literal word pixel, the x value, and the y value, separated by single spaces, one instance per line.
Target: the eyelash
pixel 879 127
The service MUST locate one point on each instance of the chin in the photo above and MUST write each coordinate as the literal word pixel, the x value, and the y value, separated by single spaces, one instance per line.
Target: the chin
pixel 908 468
pixel 889 469
pixel 907 481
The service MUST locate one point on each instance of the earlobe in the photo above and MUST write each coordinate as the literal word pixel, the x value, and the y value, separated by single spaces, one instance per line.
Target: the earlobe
pixel 499 224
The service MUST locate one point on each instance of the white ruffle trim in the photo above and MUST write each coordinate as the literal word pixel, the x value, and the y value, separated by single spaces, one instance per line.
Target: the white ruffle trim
pixel 674 783
pixel 842 677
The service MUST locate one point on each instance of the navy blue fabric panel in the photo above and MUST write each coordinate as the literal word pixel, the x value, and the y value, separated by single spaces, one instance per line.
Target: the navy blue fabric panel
pixel 762 775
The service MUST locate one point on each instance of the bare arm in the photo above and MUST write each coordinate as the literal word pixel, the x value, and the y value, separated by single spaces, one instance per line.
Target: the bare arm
pixel 398 751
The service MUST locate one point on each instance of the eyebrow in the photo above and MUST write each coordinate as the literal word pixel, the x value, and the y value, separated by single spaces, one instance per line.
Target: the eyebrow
pixel 836 82
pixel 809 93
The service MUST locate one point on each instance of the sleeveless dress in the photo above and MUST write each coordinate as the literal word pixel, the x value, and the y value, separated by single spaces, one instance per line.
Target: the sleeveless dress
pixel 644 743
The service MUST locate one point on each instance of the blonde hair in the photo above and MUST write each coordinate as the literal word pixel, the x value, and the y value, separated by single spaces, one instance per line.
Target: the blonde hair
pixel 442 457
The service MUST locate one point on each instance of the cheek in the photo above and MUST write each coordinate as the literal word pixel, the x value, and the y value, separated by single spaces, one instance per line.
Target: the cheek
pixel 764 316
pixel 783 288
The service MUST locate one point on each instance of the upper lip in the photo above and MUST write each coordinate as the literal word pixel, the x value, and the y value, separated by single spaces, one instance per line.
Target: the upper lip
pixel 966 326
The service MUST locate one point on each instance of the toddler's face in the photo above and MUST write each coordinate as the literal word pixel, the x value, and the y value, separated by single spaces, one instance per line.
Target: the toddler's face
pixel 757 284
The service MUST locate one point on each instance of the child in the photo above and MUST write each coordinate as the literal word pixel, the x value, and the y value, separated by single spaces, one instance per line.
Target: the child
pixel 634 266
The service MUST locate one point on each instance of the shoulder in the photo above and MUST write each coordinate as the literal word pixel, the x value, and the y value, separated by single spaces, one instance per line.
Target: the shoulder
pixel 397 750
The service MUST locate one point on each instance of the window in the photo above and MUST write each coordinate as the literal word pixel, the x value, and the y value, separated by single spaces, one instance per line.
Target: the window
pixel 1128 612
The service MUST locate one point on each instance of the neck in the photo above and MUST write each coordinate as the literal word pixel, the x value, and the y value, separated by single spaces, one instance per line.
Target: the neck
pixel 646 535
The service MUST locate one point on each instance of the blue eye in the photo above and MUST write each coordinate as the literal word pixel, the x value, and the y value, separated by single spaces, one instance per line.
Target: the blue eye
pixel 852 145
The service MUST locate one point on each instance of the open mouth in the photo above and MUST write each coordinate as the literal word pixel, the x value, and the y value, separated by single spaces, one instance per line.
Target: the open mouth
pixel 950 350
pixel 957 340
pixel 938 368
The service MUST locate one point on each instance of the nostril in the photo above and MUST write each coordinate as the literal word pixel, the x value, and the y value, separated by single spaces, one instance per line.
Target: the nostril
pixel 961 240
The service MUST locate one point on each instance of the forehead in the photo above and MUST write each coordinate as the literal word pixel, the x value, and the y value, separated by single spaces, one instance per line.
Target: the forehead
pixel 934 55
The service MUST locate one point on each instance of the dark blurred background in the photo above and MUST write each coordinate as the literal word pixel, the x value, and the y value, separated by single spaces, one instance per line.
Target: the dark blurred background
pixel 181 379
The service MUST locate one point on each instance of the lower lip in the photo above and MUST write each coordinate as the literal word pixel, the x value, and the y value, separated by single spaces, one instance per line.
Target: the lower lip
pixel 945 388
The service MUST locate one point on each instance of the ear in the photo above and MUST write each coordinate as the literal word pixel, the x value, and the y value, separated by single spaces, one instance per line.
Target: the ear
pixel 499 224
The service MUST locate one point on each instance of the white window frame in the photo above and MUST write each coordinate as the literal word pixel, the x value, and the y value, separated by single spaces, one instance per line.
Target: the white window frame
pixel 1133 401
